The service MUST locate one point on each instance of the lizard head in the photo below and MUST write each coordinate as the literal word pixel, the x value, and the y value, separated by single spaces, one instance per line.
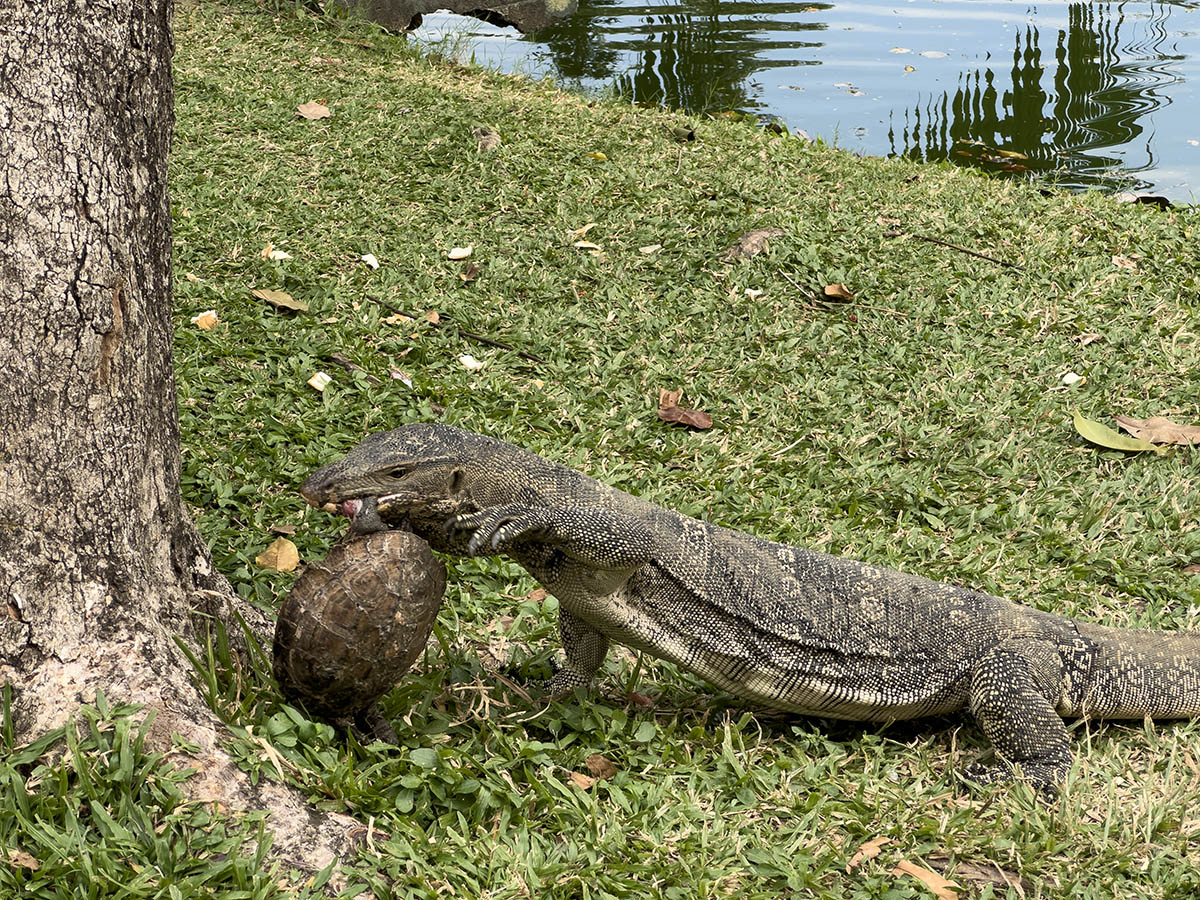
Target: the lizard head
pixel 414 477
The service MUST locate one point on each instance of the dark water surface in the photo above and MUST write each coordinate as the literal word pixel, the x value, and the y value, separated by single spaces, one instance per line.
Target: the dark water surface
pixel 1087 93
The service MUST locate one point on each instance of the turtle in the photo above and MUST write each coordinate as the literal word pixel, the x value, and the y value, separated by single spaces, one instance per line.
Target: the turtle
pixel 354 623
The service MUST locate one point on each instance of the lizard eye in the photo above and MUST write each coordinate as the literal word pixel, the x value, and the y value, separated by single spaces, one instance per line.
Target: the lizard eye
pixel 399 471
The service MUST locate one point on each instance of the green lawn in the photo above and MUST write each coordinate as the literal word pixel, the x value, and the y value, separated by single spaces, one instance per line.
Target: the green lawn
pixel 923 425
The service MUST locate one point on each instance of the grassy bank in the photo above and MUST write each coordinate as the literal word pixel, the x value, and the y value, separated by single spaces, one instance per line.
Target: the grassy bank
pixel 922 425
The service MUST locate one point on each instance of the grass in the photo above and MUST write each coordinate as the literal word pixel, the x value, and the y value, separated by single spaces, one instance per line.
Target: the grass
pixel 923 425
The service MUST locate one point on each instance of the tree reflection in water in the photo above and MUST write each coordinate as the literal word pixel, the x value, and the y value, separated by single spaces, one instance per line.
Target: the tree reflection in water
pixel 1087 126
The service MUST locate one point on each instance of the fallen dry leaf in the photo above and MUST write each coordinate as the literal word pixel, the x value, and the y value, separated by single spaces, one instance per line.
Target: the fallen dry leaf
pixel 672 413
pixel 313 110
pixel 1193 569
pixel 941 888
pixel 280 299
pixel 580 232
pixel 585 245
pixel 581 781
pixel 280 528
pixel 866 851
pixel 982 873
pixel 469 273
pixel 1088 337
pixel 281 556
pixel 642 701
pixel 370 260
pixel 206 320
pixel 1124 262
pixel 649 249
pixel 470 362
pixel 537 595
pixel 487 137
pixel 461 252
pixel 319 381
pixel 753 243
pixel 432 317
pixel 1158 430
pixel 838 292
pixel 601 766
pixel 19 858
pixel 598 155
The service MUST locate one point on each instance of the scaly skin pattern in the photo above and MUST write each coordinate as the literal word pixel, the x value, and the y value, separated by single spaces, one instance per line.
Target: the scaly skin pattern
pixel 781 626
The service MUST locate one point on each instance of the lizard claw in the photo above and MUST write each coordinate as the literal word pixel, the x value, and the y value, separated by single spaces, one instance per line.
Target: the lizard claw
pixel 495 530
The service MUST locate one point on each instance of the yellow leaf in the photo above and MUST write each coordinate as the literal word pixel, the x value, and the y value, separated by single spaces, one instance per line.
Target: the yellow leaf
pixel 650 249
pixel 868 850
pixel 313 110
pixel 580 232
pixel 838 292
pixel 19 858
pixel 581 781
pixel 281 556
pixel 1104 436
pixel 207 320
pixel 597 155
pixel 319 381
pixel 941 888
pixel 461 252
pixel 910 68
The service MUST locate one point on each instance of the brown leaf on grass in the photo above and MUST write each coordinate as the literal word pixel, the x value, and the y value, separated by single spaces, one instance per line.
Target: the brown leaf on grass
pixel 866 851
pixel 1158 430
pixel 280 528
pixel 601 766
pixel 280 299
pixel 313 110
pixel 1124 262
pixel 753 243
pixel 581 781
pixel 838 292
pixel 487 136
pixel 21 859
pixel 941 888
pixel 642 701
pixel 672 413
pixel 432 317
pixel 1193 569
pixel 982 873
pixel 207 320
pixel 469 273
pixel 537 595
pixel 281 556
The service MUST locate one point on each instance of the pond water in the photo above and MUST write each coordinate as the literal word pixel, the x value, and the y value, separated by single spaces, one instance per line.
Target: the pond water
pixel 1085 93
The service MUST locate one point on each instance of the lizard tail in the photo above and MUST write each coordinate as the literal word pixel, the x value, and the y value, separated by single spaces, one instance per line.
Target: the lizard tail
pixel 1135 674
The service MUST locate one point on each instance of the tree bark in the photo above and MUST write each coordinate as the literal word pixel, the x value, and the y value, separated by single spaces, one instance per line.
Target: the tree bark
pixel 96 550
pixel 99 563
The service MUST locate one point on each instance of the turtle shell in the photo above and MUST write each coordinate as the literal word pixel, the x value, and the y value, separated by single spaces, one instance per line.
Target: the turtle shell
pixel 353 624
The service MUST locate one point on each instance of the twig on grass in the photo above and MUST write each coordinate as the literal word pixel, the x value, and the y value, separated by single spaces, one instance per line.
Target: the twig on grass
pixel 470 335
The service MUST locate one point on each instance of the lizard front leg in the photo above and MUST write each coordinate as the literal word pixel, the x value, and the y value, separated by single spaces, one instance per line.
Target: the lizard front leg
pixel 598 538
pixel 585 648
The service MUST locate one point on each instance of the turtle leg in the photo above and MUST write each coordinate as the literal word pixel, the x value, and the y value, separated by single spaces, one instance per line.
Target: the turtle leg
pixel 372 725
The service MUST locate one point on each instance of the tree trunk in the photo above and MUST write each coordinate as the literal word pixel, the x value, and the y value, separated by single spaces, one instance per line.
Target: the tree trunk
pixel 99 562
pixel 96 551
